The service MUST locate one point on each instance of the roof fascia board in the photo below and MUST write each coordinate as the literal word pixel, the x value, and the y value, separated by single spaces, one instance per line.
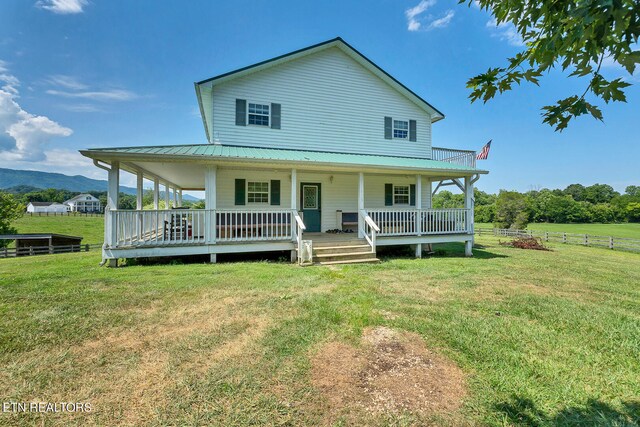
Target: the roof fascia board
pixel 308 164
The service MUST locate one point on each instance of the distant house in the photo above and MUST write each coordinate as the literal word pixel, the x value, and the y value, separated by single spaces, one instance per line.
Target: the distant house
pixel 46 207
pixel 83 203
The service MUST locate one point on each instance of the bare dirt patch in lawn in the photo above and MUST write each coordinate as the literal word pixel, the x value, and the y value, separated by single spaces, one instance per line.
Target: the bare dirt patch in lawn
pixel 131 371
pixel 391 372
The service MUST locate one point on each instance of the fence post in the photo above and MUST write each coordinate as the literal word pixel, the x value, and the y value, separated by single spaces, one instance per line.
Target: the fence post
pixel 546 236
pixel 50 249
pixel 86 247
pixel 610 242
pixel 564 237
pixel 586 240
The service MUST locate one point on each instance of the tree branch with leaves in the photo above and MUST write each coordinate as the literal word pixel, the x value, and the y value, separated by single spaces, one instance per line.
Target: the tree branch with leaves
pixel 576 35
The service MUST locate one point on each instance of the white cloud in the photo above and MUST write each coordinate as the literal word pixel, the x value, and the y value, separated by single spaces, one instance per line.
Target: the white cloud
pixel 62 7
pixel 414 13
pixel 23 136
pixel 107 95
pixel 68 82
pixel 417 22
pixel 441 22
pixel 505 31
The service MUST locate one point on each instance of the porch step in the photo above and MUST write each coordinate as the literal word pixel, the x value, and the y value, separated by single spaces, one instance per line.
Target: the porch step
pixel 352 261
pixel 320 244
pixel 343 256
pixel 338 249
pixel 343 252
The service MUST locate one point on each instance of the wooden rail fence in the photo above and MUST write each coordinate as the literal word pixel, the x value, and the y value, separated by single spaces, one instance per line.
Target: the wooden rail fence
pixel 64 213
pixel 46 250
pixel 610 242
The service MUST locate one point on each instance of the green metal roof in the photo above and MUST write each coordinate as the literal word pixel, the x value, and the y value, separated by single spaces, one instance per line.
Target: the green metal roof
pixel 232 152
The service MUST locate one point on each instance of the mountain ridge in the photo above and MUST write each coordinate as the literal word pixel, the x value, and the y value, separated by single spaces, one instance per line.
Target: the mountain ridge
pixel 42 180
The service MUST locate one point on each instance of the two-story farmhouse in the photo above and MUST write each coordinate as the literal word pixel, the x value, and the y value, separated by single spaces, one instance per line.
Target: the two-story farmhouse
pixel 317 140
pixel 84 203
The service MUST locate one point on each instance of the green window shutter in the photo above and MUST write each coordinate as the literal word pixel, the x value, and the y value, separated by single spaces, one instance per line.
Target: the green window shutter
pixel 275 116
pixel 388 194
pixel 275 192
pixel 240 192
pixel 388 131
pixel 241 112
pixel 412 131
pixel 412 195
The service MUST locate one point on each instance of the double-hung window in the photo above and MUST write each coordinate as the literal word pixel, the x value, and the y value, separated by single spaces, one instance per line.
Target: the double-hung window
pixel 259 114
pixel 257 192
pixel 400 129
pixel 400 194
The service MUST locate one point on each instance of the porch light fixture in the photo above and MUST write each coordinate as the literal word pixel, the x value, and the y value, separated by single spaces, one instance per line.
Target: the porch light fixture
pixel 331 179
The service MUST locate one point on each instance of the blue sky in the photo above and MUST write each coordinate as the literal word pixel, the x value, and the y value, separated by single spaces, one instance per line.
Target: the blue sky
pixel 92 73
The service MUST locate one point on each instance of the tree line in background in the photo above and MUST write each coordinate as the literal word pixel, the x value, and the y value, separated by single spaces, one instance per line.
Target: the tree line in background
pixel 508 209
pixel 575 204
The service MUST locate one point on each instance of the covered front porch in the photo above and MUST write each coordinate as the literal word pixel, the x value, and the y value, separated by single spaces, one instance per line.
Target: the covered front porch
pixel 270 206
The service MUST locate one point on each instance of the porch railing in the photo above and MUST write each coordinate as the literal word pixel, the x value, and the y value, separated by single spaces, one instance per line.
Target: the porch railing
pixel 149 228
pixel 370 229
pixel 130 228
pixel 234 225
pixel 298 228
pixel 459 157
pixel 404 222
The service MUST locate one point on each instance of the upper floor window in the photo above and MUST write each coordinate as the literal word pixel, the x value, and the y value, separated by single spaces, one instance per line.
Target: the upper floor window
pixel 400 129
pixel 400 194
pixel 259 114
pixel 257 192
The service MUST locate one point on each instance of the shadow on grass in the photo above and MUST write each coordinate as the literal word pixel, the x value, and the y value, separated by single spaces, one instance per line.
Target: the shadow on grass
pixel 523 412
pixel 449 250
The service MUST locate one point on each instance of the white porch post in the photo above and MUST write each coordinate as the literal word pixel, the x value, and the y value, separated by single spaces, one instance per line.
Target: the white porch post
pixel 419 214
pixel 156 193
pixel 294 208
pixel 468 204
pixel 111 230
pixel 114 185
pixel 210 200
pixel 179 200
pixel 360 204
pixel 166 196
pixel 175 197
pixel 139 191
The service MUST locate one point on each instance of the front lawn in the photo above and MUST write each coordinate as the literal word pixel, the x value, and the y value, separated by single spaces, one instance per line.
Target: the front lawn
pixel 540 338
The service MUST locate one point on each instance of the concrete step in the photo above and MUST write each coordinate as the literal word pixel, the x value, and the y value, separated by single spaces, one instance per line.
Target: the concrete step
pixel 343 256
pixel 352 261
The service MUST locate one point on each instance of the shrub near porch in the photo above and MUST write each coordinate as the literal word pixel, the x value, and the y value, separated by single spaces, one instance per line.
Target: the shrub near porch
pixel 543 338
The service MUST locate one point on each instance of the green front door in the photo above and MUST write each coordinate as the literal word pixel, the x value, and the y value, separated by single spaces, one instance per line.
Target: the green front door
pixel 310 197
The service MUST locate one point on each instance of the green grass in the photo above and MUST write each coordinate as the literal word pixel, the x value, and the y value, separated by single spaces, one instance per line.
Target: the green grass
pixel 544 338
pixel 631 230
pixel 89 227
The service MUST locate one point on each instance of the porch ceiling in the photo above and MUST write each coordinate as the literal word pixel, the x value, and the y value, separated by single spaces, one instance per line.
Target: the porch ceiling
pixel 184 165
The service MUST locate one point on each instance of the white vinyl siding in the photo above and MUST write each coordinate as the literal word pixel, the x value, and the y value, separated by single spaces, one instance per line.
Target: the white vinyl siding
pixel 329 103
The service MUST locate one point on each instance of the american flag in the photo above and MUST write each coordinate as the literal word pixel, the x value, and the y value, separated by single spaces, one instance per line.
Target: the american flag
pixel 484 153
